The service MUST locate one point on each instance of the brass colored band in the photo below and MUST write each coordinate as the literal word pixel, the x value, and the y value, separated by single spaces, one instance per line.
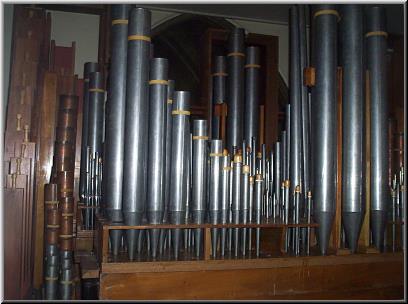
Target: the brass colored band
pixel 226 168
pixel 236 54
pixel 256 66
pixel 53 226
pixel 66 190
pixel 376 33
pixel 327 12
pixel 139 37
pixel 51 278
pixel 220 74
pixel 51 202
pixel 67 214
pixel 119 21
pixel 170 101
pixel 158 81
pixel 66 282
pixel 180 112
pixel 215 154
pixel 97 90
pixel 309 194
pixel 86 79
pixel 66 236
pixel 200 137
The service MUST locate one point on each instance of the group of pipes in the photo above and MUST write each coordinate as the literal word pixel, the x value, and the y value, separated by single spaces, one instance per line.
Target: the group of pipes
pixel 155 170
pixel 59 205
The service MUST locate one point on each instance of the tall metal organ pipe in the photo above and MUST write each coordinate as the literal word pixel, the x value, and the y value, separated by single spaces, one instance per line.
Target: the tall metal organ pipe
pixel 115 122
pixel 296 105
pixel 89 68
pixel 252 82
pixel 353 122
pixel 218 185
pixel 225 196
pixel 136 124
pixel 179 159
pixel 236 198
pixel 157 145
pixel 219 92
pixel 304 62
pixel 324 116
pixel 235 88
pixel 199 170
pixel 376 44
pixel 95 118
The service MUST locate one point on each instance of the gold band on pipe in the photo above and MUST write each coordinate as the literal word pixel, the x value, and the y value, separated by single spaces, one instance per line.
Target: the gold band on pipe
pixel 376 33
pixel 215 154
pixel 119 21
pixel 257 66
pixel 327 12
pixel 97 90
pixel 86 79
pixel 65 236
pixel 170 101
pixel 158 81
pixel 66 190
pixel 51 278
pixel 66 282
pixel 220 74
pixel 226 168
pixel 67 214
pixel 200 137
pixel 236 54
pixel 53 226
pixel 51 202
pixel 139 37
pixel 180 112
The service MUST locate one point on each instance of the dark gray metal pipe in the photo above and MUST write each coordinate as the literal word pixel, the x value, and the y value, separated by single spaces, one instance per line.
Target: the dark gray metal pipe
pixel 277 172
pixel 324 119
pixel 236 198
pixel 225 197
pixel 219 92
pixel 235 88
pixel 169 120
pixel 89 68
pixel 136 123
pixel 115 122
pixel 304 62
pixel 216 190
pixel 258 193
pixel 244 206
pixel 353 122
pixel 376 45
pixel 95 115
pixel 199 179
pixel 179 163
pixel 157 145
pixel 252 83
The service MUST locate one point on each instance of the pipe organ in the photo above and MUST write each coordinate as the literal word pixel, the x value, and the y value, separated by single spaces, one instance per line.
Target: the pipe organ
pixel 171 191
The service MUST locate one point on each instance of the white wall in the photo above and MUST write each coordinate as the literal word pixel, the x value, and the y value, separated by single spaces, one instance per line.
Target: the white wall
pixel 81 28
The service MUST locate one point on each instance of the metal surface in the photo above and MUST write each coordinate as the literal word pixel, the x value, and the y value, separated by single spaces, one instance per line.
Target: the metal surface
pixel 136 122
pixel 115 121
pixel 353 122
pixel 235 88
pixel 252 84
pixel 219 92
pixel 95 115
pixel 324 116
pixel 236 198
pixel 218 202
pixel 258 192
pixel 179 163
pixel 89 67
pixel 225 197
pixel 157 145
pixel 199 179
pixel 376 46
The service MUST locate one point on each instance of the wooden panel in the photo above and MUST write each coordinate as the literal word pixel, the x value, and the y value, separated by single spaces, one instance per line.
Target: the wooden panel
pixel 301 278
pixel 43 171
pixel 13 216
